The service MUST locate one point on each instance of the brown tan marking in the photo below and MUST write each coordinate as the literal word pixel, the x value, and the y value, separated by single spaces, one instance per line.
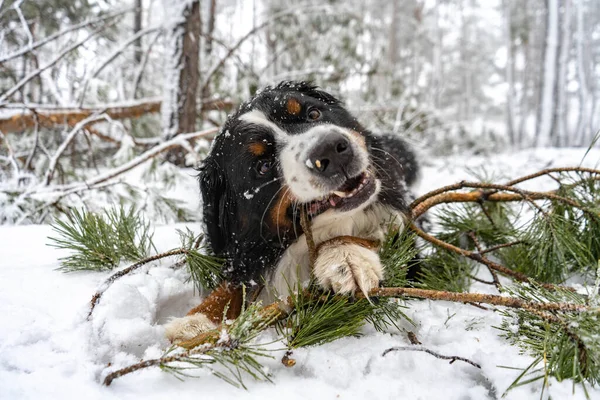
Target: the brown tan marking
pixel 293 106
pixel 278 214
pixel 257 148
pixel 359 139
pixel 340 240
pixel 226 295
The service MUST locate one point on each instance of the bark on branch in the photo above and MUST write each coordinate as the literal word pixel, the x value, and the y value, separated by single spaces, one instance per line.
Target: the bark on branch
pixel 26 118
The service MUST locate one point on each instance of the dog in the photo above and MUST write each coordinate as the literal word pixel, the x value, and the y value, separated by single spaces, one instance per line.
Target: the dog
pixel 295 147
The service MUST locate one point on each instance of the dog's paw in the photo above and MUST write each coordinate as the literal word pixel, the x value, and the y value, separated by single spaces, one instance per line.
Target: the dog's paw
pixel 348 267
pixel 182 329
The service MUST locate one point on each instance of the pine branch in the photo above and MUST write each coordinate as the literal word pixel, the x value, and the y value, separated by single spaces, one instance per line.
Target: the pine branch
pixel 205 270
pixel 231 348
pixel 265 317
pixel 100 241
pixel 474 256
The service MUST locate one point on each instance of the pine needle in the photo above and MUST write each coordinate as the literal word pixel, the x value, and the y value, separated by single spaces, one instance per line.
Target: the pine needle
pixel 206 270
pixel 101 241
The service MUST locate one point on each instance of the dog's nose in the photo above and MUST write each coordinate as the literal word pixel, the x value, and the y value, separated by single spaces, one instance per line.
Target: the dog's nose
pixel 331 155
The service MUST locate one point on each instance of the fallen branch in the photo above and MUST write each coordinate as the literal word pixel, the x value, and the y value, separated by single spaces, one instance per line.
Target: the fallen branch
pixel 50 118
pixel 207 341
pixel 433 353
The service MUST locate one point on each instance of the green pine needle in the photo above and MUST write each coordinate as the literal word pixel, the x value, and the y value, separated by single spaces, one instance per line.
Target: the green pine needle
pixel 396 254
pixel 234 356
pixel 206 270
pixel 445 271
pixel 492 223
pixel 564 345
pixel 101 241
pixel 317 320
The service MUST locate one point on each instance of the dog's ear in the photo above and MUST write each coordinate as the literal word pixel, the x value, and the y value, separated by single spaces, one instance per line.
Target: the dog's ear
pixel 213 186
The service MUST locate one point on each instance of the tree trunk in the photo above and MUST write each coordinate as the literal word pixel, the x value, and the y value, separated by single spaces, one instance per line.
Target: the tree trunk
pixel 182 72
pixel 545 120
pixel 137 26
pixel 210 28
pixel 510 75
pixel 437 72
pixel 582 75
pixel 561 134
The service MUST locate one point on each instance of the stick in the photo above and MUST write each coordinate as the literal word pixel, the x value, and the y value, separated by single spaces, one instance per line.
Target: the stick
pixel 491 299
pixel 437 355
pixel 54 160
pixel 123 272
pixel 310 243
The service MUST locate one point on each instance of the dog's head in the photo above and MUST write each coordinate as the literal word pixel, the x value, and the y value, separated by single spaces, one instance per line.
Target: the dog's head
pixel 291 146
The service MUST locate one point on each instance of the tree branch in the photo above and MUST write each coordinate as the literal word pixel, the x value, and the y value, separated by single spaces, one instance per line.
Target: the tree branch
pixel 125 271
pixel 71 116
pixel 63 32
pixel 38 71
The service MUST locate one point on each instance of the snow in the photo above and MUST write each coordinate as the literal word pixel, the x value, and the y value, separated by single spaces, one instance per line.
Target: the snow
pixel 49 350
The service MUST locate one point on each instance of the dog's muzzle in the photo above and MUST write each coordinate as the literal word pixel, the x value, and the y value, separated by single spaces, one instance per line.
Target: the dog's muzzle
pixel 335 173
pixel 331 157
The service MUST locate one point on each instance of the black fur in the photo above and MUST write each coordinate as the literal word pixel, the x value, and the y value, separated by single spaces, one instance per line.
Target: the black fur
pixel 237 200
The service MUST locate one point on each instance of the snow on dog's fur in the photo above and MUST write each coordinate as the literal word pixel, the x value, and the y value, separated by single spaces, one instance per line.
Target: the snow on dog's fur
pixel 294 147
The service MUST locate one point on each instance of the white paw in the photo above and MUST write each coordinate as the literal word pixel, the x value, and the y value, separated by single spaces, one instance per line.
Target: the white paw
pixel 348 267
pixel 181 329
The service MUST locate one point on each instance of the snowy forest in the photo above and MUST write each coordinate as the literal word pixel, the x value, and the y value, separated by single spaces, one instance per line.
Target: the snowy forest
pixel 108 107
pixel 89 84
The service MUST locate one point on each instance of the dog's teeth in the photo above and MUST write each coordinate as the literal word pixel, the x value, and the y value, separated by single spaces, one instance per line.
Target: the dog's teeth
pixel 340 194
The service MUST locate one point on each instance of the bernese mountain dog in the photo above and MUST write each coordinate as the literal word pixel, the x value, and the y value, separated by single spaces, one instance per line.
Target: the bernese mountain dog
pixel 293 147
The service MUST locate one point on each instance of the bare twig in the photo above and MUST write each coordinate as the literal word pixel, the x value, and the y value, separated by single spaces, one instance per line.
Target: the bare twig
pixel 74 132
pixel 501 246
pixel 433 353
pixel 112 56
pixel 125 271
pixel 549 171
pixel 142 67
pixel 481 250
pixel 310 243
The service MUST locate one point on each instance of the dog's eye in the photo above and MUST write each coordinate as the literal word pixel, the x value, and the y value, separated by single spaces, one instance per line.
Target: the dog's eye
pixel 264 166
pixel 314 114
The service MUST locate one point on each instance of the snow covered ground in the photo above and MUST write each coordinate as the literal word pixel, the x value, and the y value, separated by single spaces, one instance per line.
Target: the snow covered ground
pixel 49 351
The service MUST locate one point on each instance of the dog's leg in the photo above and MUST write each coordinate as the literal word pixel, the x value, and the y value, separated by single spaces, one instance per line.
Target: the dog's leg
pixel 348 263
pixel 207 315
